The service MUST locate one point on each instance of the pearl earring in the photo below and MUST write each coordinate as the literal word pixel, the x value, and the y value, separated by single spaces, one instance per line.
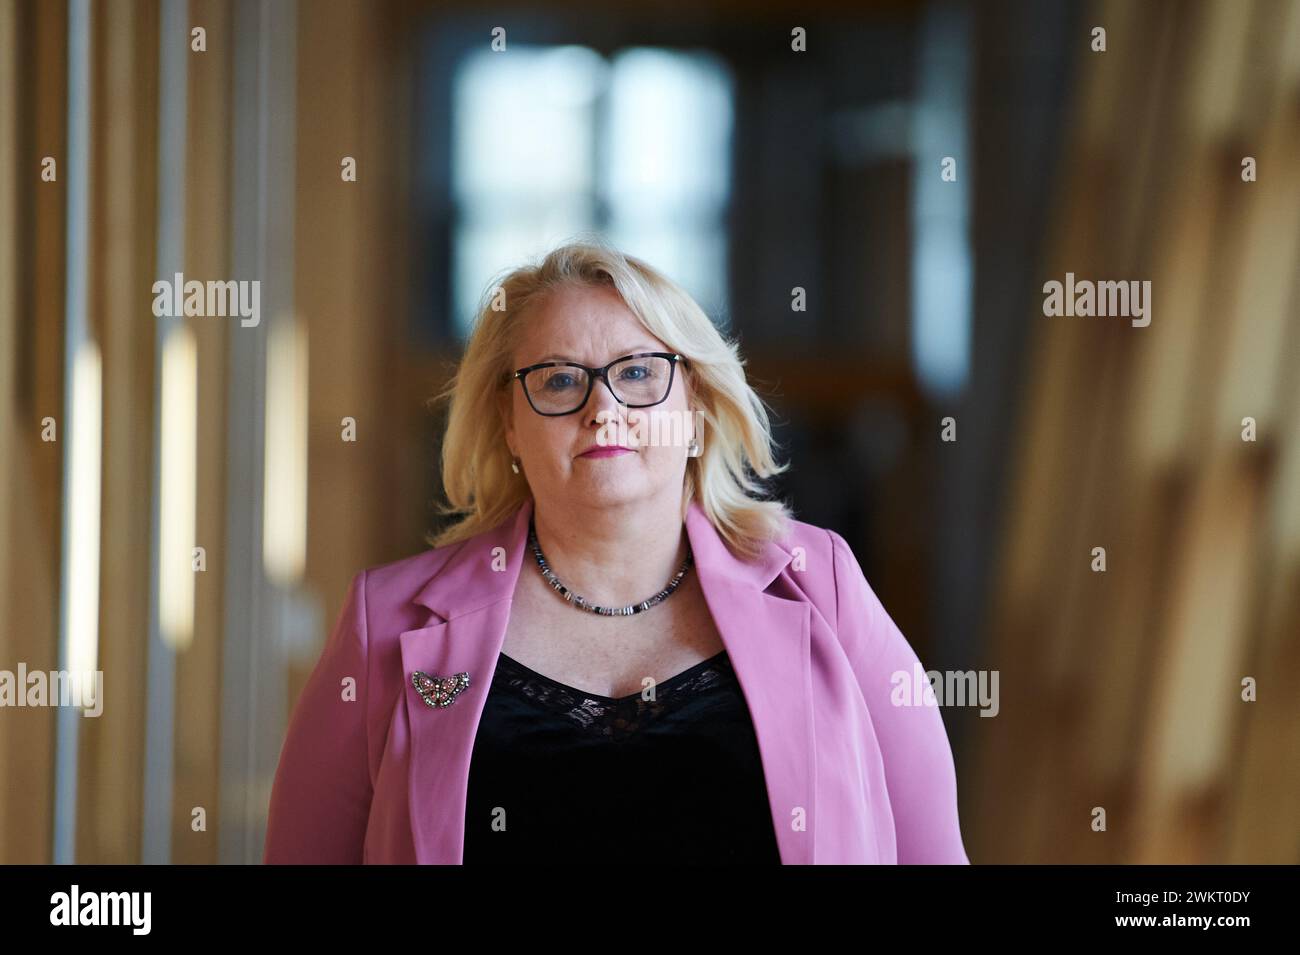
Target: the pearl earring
pixel 514 465
pixel 693 450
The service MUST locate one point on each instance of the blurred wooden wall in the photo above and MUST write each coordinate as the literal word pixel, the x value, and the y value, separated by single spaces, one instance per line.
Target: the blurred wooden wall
pixel 33 89
pixel 123 167
pixel 1122 689
pixel 350 91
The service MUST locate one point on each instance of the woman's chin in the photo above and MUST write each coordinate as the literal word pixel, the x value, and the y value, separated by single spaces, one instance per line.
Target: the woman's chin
pixel 606 486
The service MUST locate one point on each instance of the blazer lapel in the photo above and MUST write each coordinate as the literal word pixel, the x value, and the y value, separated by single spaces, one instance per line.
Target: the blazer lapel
pixel 768 640
pixel 766 637
pixel 472 594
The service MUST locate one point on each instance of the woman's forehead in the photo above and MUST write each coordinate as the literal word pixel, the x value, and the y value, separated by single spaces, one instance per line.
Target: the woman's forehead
pixel 591 339
pixel 586 348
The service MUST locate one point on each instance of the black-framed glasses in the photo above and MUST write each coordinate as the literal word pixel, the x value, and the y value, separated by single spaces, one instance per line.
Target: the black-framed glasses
pixel 563 387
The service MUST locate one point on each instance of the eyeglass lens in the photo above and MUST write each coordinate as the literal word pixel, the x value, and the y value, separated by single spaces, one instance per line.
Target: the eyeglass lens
pixel 634 381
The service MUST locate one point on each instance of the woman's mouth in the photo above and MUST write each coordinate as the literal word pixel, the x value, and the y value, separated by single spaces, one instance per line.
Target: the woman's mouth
pixel 608 452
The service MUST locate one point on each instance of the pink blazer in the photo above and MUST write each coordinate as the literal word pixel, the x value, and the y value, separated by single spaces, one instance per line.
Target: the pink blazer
pixel 375 775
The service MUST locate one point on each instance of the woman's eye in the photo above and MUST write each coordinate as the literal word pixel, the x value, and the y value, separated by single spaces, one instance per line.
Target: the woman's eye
pixel 556 382
pixel 636 373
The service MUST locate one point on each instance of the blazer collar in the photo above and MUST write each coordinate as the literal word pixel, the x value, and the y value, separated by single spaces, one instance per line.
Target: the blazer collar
pixel 462 587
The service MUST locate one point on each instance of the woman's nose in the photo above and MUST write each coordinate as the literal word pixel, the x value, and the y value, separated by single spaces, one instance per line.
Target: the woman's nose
pixel 601 399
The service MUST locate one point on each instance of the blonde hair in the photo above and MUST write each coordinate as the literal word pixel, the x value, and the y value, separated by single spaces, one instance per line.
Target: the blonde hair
pixel 737 438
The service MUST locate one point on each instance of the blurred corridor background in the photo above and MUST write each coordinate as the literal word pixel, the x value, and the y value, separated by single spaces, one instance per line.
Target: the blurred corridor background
pixel 869 196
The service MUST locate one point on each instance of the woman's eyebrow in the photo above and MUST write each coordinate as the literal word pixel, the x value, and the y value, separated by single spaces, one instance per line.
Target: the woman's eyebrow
pixel 630 350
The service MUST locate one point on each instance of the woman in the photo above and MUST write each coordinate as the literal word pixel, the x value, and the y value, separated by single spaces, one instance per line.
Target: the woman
pixel 620 647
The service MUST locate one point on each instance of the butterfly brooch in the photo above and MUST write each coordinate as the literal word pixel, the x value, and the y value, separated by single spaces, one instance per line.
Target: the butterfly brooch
pixel 439 690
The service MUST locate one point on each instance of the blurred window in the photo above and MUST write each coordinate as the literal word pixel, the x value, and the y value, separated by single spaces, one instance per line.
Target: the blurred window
pixel 553 141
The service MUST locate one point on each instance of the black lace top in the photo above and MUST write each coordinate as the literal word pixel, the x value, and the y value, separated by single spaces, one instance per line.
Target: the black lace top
pixel 559 775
